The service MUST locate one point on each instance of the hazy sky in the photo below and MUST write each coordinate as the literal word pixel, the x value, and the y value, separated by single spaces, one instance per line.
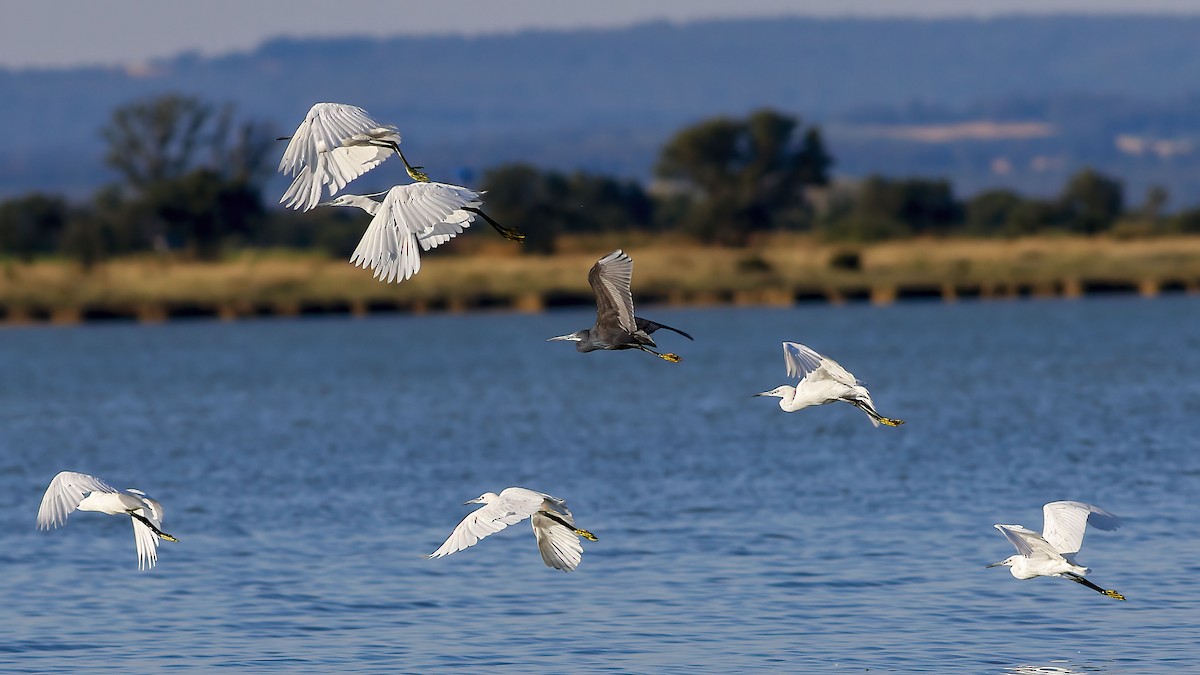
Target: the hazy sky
pixel 73 32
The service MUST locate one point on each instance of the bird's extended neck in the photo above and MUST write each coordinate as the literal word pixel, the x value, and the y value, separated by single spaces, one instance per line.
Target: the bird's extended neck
pixel 787 399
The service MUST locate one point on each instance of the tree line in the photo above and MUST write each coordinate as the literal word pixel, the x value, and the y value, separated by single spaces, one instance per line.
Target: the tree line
pixel 192 176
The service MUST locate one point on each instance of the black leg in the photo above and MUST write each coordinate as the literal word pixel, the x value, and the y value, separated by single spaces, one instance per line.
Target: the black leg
pixel 1081 580
pixel 506 232
pixel 150 525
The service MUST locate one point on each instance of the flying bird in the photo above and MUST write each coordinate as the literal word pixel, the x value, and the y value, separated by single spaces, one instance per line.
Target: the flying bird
pixel 616 326
pixel 335 144
pixel 71 491
pixel 553 525
pixel 1052 553
pixel 424 214
pixel 822 381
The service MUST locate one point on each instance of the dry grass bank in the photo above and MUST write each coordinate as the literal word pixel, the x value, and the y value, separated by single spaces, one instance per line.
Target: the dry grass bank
pixel 775 269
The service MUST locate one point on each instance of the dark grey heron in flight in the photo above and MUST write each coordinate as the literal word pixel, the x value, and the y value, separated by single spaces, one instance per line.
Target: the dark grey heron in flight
pixel 616 326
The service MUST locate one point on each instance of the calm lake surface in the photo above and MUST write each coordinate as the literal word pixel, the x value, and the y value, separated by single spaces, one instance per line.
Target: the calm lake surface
pixel 308 466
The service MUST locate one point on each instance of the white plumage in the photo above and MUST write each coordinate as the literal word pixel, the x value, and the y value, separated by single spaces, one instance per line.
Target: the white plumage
pixel 71 491
pixel 1052 553
pixel 335 144
pixel 418 214
pixel 553 525
pixel 822 380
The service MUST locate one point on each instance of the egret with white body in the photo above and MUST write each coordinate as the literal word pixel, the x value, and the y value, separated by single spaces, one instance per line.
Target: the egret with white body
pixel 71 491
pixel 335 144
pixel 822 381
pixel 553 525
pixel 418 214
pixel 1052 553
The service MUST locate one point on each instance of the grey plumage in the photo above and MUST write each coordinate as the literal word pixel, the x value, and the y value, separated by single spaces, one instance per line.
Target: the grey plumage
pixel 616 325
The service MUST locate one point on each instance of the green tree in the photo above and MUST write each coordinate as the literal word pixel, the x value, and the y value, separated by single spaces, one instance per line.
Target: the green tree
pixel 886 208
pixel 193 174
pixel 989 213
pixel 743 176
pixel 1092 201
pixel 31 225
pixel 545 204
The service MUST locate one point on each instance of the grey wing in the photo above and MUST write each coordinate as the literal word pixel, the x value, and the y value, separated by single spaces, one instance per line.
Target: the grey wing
pixel 558 544
pixel 647 326
pixel 1065 522
pixel 507 510
pixel 63 495
pixel 1027 542
pixel 610 279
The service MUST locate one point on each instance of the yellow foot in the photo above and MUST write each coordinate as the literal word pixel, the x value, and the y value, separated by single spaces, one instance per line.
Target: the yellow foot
pixel 890 422
pixel 591 537
pixel 673 358
pixel 512 235
pixel 168 537
pixel 1114 594
pixel 417 174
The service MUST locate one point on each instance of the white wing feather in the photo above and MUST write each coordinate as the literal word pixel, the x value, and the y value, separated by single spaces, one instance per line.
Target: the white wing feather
pixel 802 362
pixel 146 541
pixel 1027 542
pixel 332 147
pixel 559 546
pixel 63 495
pixel 1064 524
pixel 428 214
pixel 511 506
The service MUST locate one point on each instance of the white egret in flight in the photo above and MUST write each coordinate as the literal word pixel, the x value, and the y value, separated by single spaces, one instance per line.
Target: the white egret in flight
pixel 335 144
pixel 1052 553
pixel 553 525
pixel 616 326
pixel 424 214
pixel 71 491
pixel 822 381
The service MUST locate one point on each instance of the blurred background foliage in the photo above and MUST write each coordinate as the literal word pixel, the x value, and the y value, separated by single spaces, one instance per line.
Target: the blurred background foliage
pixel 192 175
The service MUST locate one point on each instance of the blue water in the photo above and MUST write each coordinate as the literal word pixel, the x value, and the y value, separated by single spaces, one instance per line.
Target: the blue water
pixel 307 466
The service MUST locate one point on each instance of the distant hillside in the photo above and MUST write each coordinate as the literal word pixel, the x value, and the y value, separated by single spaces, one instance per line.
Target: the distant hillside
pixel 605 100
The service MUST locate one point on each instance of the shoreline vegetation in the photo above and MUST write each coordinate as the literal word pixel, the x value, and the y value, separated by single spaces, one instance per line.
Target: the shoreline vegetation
pixel 741 211
pixel 775 270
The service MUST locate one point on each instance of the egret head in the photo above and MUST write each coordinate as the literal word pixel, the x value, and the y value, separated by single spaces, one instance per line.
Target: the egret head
pixel 779 392
pixel 1007 562
pixel 340 200
pixel 485 498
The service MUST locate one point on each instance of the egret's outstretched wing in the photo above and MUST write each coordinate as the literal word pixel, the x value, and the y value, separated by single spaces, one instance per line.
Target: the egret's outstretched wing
pixel 512 506
pixel 610 279
pixel 1028 542
pixel 451 227
pixel 331 147
pixel 558 544
pixel 147 543
pixel 145 538
pixel 1065 522
pixel 802 362
pixel 64 494
pixel 425 214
